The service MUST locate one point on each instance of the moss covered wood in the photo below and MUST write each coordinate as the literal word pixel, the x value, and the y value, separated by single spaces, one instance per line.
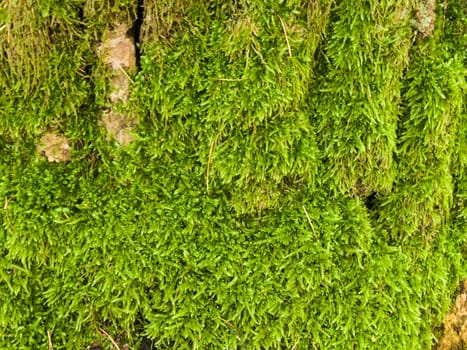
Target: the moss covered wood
pixel 296 178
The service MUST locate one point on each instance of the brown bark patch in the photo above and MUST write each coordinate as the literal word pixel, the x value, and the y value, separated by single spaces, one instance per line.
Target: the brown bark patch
pixel 425 17
pixel 119 52
pixel 119 84
pixel 455 324
pixel 118 48
pixel 55 147
pixel 119 127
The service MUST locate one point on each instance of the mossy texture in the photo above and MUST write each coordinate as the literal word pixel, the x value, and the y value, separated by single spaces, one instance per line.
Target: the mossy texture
pixel 296 176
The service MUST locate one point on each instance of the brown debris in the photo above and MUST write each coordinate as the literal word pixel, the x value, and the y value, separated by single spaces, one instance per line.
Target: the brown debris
pixel 55 147
pixel 425 17
pixel 455 324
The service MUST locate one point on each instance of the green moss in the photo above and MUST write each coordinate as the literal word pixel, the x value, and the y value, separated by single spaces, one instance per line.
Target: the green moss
pixel 297 181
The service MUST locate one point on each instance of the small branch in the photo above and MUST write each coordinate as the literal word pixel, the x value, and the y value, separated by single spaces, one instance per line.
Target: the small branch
pixel 110 338
pixel 309 221
pixel 286 37
pixel 49 339
pixel 126 74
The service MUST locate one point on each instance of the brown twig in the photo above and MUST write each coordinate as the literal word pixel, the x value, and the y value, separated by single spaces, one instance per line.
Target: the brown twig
pixel 310 222
pixel 49 339
pixel 110 338
pixel 286 37
pixel 126 74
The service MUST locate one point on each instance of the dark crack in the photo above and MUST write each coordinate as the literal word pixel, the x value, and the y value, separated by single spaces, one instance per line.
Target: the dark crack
pixel 136 31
